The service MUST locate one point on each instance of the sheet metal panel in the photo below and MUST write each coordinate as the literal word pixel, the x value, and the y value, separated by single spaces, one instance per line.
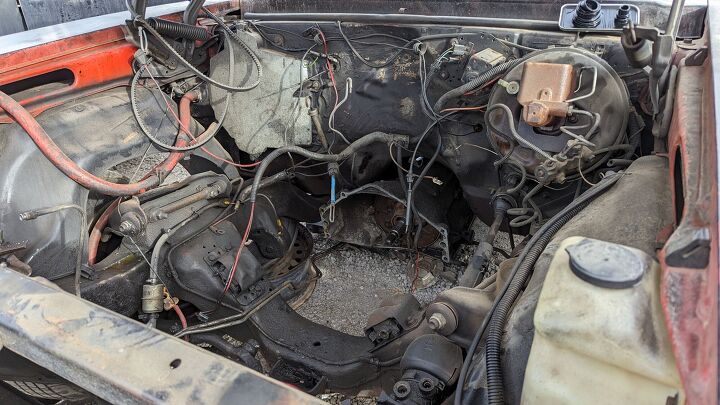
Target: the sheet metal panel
pixel 119 359
pixel 42 13
pixel 10 19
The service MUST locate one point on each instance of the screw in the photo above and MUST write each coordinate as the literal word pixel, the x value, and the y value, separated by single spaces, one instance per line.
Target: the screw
pixel 437 321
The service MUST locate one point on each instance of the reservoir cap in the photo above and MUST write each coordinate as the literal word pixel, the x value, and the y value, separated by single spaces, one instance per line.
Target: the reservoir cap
pixel 606 264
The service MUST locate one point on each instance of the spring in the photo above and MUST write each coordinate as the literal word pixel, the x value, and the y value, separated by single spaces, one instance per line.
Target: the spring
pixel 179 30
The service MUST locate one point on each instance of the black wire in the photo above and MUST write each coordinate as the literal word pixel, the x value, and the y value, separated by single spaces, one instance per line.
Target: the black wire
pixel 387 62
pixel 198 143
pixel 425 170
pixel 271 42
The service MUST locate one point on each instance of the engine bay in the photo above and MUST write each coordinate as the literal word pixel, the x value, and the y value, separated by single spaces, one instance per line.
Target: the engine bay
pixel 190 197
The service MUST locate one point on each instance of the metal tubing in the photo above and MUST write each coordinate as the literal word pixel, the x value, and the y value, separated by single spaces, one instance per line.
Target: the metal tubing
pixel 673 24
pixel 407 19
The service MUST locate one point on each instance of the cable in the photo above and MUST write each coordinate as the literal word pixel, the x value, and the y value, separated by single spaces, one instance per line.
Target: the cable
pixel 181 316
pixel 331 120
pixel 144 24
pixel 58 158
pixel 34 214
pixel 409 177
pixel 583 176
pixel 518 276
pixel 394 160
pixel 183 121
pixel 488 75
pixel 390 60
pixel 204 138
pixel 96 233
pixel 271 42
pixel 344 154
pixel 246 48
pixel 423 173
pixel 331 75
pixel 231 276
pixel 478 108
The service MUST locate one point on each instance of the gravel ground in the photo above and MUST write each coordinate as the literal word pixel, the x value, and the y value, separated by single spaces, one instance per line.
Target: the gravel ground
pixel 354 281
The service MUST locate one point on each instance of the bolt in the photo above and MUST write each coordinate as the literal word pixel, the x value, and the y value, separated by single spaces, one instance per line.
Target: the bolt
pixel 437 321
pixel 401 390
pixel 426 385
pixel 126 227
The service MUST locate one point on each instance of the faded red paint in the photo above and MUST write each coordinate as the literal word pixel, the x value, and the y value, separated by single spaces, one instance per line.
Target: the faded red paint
pixel 99 61
pixel 690 296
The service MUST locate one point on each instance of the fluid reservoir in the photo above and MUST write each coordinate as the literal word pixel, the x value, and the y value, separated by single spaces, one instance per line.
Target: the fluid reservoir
pixel 600 335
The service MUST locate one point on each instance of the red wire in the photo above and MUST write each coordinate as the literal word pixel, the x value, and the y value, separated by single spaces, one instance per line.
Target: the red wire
pixel 187 131
pixel 252 206
pixel 180 315
pixel 242 244
pixel 329 66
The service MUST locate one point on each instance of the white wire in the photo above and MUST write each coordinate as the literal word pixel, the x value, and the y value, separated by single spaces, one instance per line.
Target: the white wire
pixel 331 120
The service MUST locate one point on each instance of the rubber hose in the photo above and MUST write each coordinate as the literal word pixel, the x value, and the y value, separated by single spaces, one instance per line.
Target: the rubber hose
pixel 521 271
pixel 352 148
pixel 79 175
pixel 179 30
pixel 96 233
pixel 191 12
pixel 477 82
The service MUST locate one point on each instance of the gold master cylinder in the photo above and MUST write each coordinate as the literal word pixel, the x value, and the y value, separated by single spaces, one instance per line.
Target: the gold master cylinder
pixel 543 91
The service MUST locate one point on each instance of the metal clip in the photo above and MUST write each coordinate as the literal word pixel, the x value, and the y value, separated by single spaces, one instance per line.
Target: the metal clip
pixel 142 36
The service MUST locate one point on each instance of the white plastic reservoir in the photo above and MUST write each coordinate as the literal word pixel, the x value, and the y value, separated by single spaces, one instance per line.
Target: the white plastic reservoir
pixel 600 335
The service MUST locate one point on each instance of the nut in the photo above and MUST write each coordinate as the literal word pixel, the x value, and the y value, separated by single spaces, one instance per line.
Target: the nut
pixel 437 321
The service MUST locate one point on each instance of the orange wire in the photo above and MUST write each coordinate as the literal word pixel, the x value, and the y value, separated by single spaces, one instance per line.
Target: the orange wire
pixel 187 131
pixel 240 248
pixel 478 108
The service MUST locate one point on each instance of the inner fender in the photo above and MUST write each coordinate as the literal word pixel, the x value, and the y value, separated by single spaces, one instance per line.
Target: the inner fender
pixel 98 132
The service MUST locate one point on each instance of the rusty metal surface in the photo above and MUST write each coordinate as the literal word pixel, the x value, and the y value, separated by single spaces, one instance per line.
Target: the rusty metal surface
pixel 690 288
pixel 118 359
pixel 543 91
